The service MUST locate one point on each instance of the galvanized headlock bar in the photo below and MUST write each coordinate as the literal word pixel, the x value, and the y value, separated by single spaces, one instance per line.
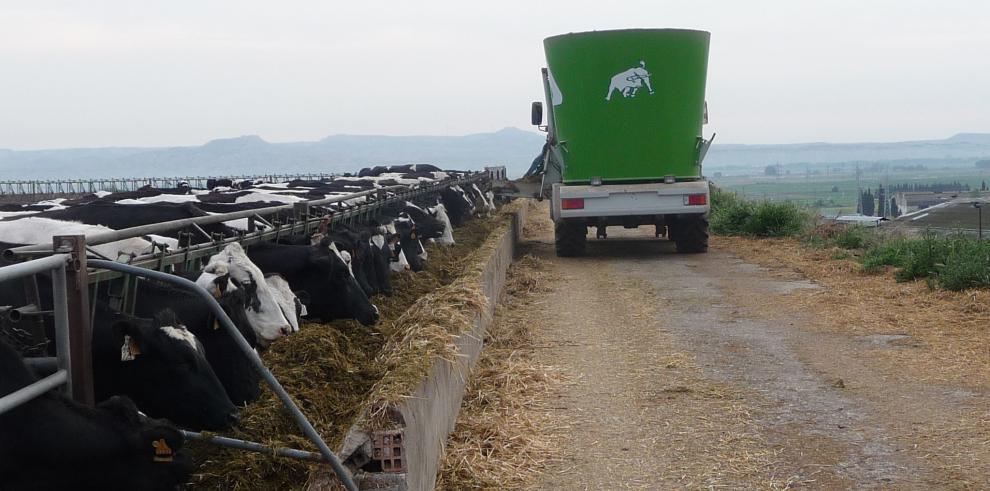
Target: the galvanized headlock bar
pixel 224 441
pixel 307 428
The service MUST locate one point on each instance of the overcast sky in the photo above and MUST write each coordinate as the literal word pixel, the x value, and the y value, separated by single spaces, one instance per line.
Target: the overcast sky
pixel 126 73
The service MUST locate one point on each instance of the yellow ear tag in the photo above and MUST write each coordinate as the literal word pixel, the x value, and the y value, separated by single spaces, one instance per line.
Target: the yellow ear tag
pixel 412 236
pixel 163 453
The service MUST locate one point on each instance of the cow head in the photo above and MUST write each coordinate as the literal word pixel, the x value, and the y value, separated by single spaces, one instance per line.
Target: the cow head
pixel 380 257
pixel 440 212
pixel 459 207
pixel 350 301
pixel 168 375
pixel 428 226
pixel 264 313
pixel 293 304
pixel 410 244
pixel 356 253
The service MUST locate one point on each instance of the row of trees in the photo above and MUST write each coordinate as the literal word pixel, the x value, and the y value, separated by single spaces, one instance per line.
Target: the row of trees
pixel 878 204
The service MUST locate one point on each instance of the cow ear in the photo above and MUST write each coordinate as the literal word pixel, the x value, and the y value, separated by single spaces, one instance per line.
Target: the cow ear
pixel 303 296
pixel 133 327
pixel 167 317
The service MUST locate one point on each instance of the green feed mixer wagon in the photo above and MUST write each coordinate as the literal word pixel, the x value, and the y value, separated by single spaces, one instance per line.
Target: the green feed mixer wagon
pixel 624 147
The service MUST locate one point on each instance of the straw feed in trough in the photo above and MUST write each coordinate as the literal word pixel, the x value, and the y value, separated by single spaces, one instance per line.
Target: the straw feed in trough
pixel 336 372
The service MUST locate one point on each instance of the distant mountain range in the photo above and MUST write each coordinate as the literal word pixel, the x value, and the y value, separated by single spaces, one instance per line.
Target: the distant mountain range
pixel 511 147
pixel 247 155
pixel 960 149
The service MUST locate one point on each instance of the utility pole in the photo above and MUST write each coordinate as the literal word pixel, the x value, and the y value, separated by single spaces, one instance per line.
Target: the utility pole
pixel 979 209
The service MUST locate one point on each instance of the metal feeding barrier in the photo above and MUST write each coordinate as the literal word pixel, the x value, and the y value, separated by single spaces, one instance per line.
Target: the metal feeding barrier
pixel 56 265
pixel 58 187
pixel 307 428
pixel 72 306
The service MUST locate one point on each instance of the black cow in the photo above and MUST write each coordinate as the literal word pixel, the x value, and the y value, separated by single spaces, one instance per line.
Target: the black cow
pixel 357 247
pixel 306 183
pixel 161 366
pixel 381 258
pixel 232 366
pixel 169 378
pixel 52 442
pixel 146 191
pixel 16 207
pixel 215 197
pixel 119 217
pixel 215 183
pixel 333 292
pixel 223 207
pixel 379 170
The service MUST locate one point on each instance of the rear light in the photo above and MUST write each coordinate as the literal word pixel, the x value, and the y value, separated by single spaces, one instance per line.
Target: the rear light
pixel 696 199
pixel 572 204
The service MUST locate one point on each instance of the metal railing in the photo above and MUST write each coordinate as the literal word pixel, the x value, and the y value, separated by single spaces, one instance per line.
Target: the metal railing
pixel 56 265
pixel 306 215
pixel 307 428
pixel 59 187
pixel 71 296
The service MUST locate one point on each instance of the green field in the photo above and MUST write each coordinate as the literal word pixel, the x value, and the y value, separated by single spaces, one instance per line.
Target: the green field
pixel 834 194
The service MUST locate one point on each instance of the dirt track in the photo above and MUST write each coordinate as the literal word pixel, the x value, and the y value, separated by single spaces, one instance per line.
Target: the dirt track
pixel 695 371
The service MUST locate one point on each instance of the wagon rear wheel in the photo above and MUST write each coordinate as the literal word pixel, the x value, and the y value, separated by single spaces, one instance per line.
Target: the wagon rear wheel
pixel 570 238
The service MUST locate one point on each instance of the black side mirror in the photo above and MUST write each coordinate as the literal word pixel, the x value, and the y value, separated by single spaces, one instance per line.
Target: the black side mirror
pixel 536 114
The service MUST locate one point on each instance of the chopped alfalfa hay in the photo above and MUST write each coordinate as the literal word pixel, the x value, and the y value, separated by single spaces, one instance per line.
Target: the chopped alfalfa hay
pixel 427 332
pixel 334 371
pixel 502 439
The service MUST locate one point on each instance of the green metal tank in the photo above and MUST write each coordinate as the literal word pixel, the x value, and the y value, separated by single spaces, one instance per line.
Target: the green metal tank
pixel 628 105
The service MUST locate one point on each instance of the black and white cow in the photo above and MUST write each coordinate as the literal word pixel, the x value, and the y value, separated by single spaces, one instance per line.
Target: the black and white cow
pixel 232 366
pixel 161 366
pixel 440 213
pixel 333 291
pixel 428 226
pixel 270 313
pixel 401 169
pixel 458 206
pixel 52 442
pixel 409 244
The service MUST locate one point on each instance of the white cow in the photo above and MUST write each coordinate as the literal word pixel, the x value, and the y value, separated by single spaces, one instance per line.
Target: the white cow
pixel 269 313
pixel 37 230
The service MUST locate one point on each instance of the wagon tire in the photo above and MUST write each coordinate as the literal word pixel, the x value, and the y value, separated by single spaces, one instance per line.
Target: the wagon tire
pixel 691 234
pixel 570 238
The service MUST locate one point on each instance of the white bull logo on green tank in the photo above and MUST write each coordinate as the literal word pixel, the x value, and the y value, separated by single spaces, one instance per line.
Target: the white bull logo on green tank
pixel 630 81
